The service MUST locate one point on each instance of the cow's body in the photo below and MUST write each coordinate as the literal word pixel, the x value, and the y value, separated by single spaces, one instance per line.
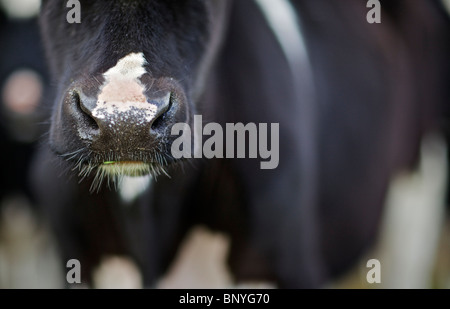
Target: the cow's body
pixel 351 125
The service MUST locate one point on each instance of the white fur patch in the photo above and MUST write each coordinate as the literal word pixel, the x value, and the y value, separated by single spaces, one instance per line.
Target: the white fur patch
pixel 117 273
pixel 285 25
pixel 446 4
pixel 414 220
pixel 123 91
pixel 200 262
pixel 21 9
pixel 130 188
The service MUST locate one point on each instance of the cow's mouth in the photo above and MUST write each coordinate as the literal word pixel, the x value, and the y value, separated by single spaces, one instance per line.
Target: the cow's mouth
pixel 112 172
pixel 126 168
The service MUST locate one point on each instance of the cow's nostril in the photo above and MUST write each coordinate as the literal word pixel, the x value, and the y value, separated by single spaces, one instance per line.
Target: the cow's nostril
pixel 85 113
pixel 161 113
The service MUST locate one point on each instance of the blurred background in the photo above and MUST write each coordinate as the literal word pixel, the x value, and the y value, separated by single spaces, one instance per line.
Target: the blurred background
pixel 413 244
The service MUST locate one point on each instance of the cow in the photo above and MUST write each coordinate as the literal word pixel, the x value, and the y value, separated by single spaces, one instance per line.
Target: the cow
pixel 343 91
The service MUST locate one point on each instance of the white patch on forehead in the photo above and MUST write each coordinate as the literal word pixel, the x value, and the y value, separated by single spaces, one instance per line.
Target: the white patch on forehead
pixel 122 90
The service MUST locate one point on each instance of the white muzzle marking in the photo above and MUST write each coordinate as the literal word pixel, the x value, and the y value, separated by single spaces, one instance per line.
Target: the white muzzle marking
pixel 122 90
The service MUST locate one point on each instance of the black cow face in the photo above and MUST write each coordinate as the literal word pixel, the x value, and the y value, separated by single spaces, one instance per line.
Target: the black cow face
pixel 125 75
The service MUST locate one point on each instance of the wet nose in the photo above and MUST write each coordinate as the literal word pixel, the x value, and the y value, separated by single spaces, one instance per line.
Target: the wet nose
pixel 114 124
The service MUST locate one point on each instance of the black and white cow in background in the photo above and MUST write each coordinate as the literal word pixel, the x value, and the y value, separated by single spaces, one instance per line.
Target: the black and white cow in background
pixel 352 106
pixel 23 76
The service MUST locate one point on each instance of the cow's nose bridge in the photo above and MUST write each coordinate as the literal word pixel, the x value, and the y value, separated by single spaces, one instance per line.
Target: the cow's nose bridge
pixel 139 113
